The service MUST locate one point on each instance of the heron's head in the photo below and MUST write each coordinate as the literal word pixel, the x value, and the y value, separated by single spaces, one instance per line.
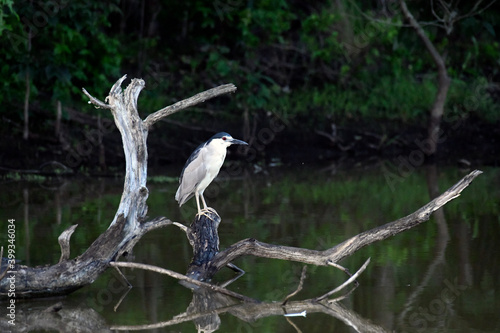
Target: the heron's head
pixel 225 140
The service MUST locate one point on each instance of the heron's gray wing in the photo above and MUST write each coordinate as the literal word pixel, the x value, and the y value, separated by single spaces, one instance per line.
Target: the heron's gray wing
pixel 192 174
pixel 193 156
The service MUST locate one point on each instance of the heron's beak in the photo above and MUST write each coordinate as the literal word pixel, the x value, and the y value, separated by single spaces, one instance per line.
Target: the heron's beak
pixel 238 142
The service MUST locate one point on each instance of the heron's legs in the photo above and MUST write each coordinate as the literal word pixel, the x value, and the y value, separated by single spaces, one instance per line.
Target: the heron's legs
pixel 203 200
pixel 197 196
pixel 205 208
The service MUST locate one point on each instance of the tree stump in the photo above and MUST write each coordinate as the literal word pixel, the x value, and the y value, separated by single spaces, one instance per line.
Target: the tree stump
pixel 204 238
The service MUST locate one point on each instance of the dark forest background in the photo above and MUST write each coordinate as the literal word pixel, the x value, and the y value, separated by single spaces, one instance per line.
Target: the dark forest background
pixel 343 77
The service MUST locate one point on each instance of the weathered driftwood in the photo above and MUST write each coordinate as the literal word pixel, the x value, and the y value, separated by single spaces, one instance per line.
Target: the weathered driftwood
pixel 338 252
pixel 129 223
pixel 206 318
pixel 205 312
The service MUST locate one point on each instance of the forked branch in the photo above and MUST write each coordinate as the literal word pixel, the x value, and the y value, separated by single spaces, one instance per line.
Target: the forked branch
pixel 130 221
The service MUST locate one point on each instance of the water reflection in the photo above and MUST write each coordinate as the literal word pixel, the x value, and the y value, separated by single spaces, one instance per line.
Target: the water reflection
pixel 440 275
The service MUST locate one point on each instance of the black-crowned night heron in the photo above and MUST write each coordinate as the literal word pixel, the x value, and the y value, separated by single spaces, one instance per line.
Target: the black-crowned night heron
pixel 202 167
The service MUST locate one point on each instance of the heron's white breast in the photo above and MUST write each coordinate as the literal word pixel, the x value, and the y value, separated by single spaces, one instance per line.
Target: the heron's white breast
pixel 213 158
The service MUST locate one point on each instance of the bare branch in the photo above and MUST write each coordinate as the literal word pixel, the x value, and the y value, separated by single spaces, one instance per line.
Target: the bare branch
pixel 289 320
pixel 475 10
pixel 343 285
pixel 92 100
pixel 182 277
pixel 299 287
pixel 117 305
pixel 344 249
pixel 181 226
pixel 235 269
pixel 196 99
pixel 421 33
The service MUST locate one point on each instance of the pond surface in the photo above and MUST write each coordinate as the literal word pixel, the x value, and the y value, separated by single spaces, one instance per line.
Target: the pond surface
pixel 440 276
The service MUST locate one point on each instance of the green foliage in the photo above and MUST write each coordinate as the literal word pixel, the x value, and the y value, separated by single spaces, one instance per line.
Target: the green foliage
pixel 468 98
pixel 6 10
pixel 63 47
pixel 403 99
pixel 301 60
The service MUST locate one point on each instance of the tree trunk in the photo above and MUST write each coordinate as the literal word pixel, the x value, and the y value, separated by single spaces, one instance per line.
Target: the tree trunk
pixel 437 110
pixel 128 225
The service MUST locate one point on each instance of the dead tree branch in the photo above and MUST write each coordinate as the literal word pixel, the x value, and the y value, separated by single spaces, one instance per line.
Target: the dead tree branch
pixel 344 249
pixel 299 287
pixel 129 223
pixel 185 278
pixel 196 99
pixel 343 285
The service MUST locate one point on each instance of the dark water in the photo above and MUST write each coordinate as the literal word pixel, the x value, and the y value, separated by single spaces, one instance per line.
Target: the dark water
pixel 441 276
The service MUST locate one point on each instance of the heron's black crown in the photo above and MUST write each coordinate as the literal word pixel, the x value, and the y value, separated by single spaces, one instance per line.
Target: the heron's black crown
pixel 219 135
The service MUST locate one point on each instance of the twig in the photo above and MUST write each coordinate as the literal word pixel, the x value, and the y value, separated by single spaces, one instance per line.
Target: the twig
pixel 293 325
pixel 299 287
pixel 196 99
pixel 122 298
pixel 182 277
pixel 129 285
pixel 123 277
pixel 236 269
pixel 342 268
pixel 181 226
pixel 337 299
pixel 98 104
pixel 343 285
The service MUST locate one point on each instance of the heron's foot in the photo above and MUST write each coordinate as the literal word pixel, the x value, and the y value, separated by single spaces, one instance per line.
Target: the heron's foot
pixel 208 211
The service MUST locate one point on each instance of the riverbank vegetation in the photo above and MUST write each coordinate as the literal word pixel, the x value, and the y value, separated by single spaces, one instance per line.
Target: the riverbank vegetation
pixel 335 62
